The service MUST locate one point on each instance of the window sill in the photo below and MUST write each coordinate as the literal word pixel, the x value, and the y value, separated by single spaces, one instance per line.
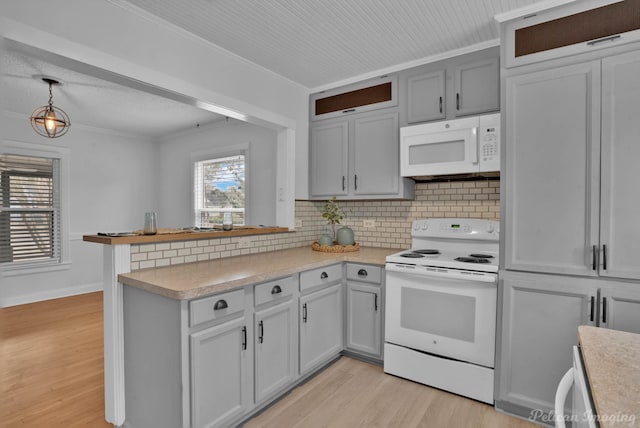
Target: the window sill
pixel 33 268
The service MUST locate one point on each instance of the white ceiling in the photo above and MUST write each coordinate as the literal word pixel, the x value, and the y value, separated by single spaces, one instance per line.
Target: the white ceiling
pixel 312 42
pixel 317 42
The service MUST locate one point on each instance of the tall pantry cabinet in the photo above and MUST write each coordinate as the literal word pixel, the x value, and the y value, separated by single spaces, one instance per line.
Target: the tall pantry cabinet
pixel 571 205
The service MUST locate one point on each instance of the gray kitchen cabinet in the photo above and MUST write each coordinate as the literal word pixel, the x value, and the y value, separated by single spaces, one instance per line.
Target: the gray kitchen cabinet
pixel 220 370
pixel 364 310
pixel 619 306
pixel 459 86
pixel 426 96
pixel 540 319
pixel 553 124
pixel 321 327
pixel 275 343
pixel 358 158
pixel 477 87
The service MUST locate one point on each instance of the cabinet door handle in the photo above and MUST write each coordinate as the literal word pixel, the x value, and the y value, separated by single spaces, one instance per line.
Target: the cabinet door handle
pixel 220 304
pixel 458 101
pixel 604 257
pixel 604 310
pixel 324 275
pixel 276 289
pixel 375 303
pixel 592 308
pixel 261 328
pixel 343 183
pixel 594 257
pixel 244 338
pixel 304 313
pixel 605 39
pixel 351 110
pixel 363 272
pixel 440 104
pixel 355 181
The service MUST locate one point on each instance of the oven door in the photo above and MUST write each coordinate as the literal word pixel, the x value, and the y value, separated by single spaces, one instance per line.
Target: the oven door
pixel 446 314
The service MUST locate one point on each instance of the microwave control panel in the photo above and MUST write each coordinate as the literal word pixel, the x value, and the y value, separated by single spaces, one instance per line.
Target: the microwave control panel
pixel 489 144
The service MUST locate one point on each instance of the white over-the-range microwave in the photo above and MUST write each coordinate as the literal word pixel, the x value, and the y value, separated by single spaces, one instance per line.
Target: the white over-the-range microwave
pixel 459 146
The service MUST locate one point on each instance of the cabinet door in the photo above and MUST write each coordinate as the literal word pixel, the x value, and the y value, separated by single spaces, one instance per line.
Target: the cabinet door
pixel 219 368
pixel 552 180
pixel 619 234
pixel 328 157
pixel 275 330
pixel 620 307
pixel 320 327
pixel 363 318
pixel 477 87
pixel 540 319
pixel 376 155
pixel 425 97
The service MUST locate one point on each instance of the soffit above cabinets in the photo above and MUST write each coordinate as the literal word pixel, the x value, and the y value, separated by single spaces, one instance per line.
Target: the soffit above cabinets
pixel 320 42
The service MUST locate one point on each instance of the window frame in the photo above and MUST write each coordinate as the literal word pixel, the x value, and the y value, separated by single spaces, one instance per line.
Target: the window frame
pixel 19 148
pixel 219 153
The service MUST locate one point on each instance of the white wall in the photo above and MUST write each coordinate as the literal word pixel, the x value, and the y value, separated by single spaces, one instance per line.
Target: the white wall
pixel 109 35
pixel 175 165
pixel 112 180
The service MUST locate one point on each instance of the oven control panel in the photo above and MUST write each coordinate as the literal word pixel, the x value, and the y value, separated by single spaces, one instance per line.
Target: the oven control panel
pixel 467 228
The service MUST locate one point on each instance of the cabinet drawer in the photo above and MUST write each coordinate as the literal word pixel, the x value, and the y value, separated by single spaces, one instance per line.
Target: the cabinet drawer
pixel 273 290
pixel 364 273
pixel 320 276
pixel 215 307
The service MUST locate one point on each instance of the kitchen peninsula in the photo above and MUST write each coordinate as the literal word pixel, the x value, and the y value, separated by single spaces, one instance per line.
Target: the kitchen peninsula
pixel 182 285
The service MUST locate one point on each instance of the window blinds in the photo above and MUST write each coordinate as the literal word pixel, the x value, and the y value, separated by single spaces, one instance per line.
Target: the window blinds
pixel 219 188
pixel 30 213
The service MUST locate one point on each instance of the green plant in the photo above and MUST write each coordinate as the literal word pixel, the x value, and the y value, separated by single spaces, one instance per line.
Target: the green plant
pixel 331 212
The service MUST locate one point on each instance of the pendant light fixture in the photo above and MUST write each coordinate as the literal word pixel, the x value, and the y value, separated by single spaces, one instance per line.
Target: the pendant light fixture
pixel 50 121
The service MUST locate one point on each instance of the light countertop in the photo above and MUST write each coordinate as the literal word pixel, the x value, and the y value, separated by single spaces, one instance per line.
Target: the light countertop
pixel 190 280
pixel 612 362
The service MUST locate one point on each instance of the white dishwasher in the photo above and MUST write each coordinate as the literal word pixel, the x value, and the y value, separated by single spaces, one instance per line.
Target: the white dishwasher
pixel 582 414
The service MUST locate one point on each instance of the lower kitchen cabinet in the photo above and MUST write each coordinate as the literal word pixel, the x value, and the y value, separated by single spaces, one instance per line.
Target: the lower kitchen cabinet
pixel 619 306
pixel 320 327
pixel 364 318
pixel 220 364
pixel 275 349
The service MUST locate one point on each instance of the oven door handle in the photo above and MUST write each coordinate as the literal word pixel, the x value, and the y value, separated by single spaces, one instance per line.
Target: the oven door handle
pixel 427 272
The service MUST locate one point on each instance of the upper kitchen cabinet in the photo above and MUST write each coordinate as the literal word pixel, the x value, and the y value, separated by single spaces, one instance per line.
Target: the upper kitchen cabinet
pixel 571 29
pixel 371 94
pixel 358 158
pixel 570 200
pixel 460 86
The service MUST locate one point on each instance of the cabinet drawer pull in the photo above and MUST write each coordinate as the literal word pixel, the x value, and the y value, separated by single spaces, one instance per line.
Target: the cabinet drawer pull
pixel 351 110
pixel 276 289
pixel 324 275
pixel 592 308
pixel 261 327
pixel 604 257
pixel 605 39
pixel 440 104
pixel 220 304
pixel 363 272
pixel 458 101
pixel 304 313
pixel 244 338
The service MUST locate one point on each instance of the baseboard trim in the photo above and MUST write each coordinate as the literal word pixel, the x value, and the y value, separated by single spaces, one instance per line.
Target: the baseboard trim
pixel 50 294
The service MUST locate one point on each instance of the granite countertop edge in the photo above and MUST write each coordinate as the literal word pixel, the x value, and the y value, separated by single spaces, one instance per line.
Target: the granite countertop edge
pixel 178 282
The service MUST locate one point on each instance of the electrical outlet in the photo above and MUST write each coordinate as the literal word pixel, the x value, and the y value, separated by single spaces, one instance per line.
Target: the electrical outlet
pixel 368 223
pixel 244 242
pixel 298 223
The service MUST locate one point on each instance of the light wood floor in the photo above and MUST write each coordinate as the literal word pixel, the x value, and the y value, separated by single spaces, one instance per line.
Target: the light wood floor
pixel 51 364
pixel 352 393
pixel 51 375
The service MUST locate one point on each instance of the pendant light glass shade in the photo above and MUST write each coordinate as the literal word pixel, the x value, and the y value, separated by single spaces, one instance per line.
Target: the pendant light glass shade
pixel 50 121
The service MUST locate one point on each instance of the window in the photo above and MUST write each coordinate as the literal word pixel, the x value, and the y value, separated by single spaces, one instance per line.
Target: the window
pixel 219 188
pixel 30 213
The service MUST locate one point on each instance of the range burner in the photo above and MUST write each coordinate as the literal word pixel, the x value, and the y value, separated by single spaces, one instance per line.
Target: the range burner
pixel 427 252
pixel 411 255
pixel 473 259
pixel 481 256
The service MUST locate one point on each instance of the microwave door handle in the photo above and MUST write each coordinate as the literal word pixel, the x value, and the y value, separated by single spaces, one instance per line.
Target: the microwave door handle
pixel 475 145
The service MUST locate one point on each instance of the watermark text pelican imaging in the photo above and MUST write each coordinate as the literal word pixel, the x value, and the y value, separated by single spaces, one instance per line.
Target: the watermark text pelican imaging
pixel 550 417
